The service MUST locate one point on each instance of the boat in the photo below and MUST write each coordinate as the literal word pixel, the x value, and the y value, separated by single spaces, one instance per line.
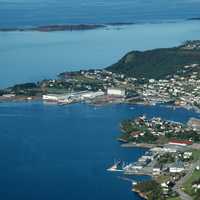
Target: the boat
pixel 134 183
pixel 64 101
pixel 117 167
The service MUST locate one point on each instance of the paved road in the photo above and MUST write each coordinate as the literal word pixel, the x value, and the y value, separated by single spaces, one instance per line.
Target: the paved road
pixel 179 184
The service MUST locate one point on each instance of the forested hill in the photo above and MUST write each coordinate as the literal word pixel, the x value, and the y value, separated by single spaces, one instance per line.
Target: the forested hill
pixel 158 63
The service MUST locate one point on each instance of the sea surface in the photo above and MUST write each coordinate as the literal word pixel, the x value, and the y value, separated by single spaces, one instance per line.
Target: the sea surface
pixel 51 152
pixel 17 13
pixel 33 56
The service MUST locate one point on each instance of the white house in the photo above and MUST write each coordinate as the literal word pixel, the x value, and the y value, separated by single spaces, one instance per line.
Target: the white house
pixel 52 97
pixel 157 169
pixel 187 155
pixel 177 167
pixel 91 95
pixel 9 95
pixel 116 92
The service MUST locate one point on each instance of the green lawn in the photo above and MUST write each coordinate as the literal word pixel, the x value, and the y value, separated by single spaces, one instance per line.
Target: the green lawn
pixel 188 184
pixel 196 154
pixel 174 198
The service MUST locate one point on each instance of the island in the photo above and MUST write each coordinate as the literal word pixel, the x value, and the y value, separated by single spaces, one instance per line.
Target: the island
pixel 63 27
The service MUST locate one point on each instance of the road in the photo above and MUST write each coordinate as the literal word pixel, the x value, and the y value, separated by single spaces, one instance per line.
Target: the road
pixel 179 184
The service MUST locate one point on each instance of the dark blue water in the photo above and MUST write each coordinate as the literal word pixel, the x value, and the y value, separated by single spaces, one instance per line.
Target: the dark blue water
pixel 50 152
pixel 39 12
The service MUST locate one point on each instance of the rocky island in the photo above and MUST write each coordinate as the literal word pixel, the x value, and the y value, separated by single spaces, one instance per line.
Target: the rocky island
pixel 63 27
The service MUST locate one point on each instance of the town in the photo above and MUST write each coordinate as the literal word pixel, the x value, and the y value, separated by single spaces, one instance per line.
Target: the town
pixel 102 86
pixel 172 159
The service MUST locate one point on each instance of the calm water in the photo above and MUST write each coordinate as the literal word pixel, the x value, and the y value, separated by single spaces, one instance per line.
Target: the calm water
pixel 31 56
pixel 50 152
pixel 39 12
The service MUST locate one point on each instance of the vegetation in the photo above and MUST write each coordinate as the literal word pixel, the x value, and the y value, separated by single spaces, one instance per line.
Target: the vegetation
pixel 188 185
pixel 157 63
pixel 196 154
pixel 151 189
pixel 186 135
pixel 166 158
pixel 28 89
pixel 173 198
pixel 156 131
pixel 130 129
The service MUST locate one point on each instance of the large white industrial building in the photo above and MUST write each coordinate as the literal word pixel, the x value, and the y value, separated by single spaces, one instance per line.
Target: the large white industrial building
pixel 77 96
pixel 116 92
pixel 92 95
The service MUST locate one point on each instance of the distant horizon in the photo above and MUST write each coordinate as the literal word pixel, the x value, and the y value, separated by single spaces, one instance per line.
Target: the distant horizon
pixel 17 13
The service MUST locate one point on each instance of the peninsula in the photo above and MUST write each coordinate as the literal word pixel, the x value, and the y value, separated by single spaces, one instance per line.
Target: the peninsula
pixel 172 160
pixel 169 75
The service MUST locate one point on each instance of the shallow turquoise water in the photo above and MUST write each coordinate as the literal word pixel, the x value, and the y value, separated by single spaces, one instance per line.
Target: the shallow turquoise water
pixel 30 56
pixel 51 152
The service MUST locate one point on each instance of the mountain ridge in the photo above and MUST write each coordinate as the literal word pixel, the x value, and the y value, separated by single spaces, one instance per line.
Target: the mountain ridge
pixel 157 63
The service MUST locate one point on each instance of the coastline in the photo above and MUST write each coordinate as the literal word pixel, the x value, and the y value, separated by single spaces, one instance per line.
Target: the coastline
pixel 139 145
pixel 142 195
pixel 65 27
pixel 52 28
pixel 33 98
pixel 85 27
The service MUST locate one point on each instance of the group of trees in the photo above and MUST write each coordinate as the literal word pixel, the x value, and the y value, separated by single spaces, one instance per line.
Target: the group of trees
pixel 157 63
pixel 151 189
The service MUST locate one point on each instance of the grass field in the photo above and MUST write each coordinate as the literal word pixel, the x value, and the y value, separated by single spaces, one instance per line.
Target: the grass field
pixel 196 154
pixel 188 184
pixel 174 198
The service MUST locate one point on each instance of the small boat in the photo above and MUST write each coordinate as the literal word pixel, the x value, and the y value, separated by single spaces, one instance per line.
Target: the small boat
pixel 117 167
pixel 134 183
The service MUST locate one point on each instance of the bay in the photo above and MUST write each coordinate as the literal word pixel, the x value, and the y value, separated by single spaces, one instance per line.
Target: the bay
pixel 52 152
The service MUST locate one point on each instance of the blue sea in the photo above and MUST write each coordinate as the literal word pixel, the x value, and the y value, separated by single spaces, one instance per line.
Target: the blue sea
pixel 51 152
pixel 19 13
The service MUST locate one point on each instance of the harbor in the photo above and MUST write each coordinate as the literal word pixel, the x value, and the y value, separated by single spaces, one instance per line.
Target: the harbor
pixel 149 163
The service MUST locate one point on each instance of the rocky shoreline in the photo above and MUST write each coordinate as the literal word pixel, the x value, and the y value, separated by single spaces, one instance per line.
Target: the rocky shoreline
pixel 142 195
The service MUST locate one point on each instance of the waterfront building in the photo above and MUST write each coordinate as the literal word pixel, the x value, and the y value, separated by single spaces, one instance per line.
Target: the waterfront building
pixel 52 97
pixel 116 92
pixel 194 123
pixel 8 95
pixel 177 167
pixel 92 95
pixel 181 142
pixel 157 169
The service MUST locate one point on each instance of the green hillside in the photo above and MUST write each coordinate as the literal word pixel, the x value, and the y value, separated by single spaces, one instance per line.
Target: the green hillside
pixel 157 63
